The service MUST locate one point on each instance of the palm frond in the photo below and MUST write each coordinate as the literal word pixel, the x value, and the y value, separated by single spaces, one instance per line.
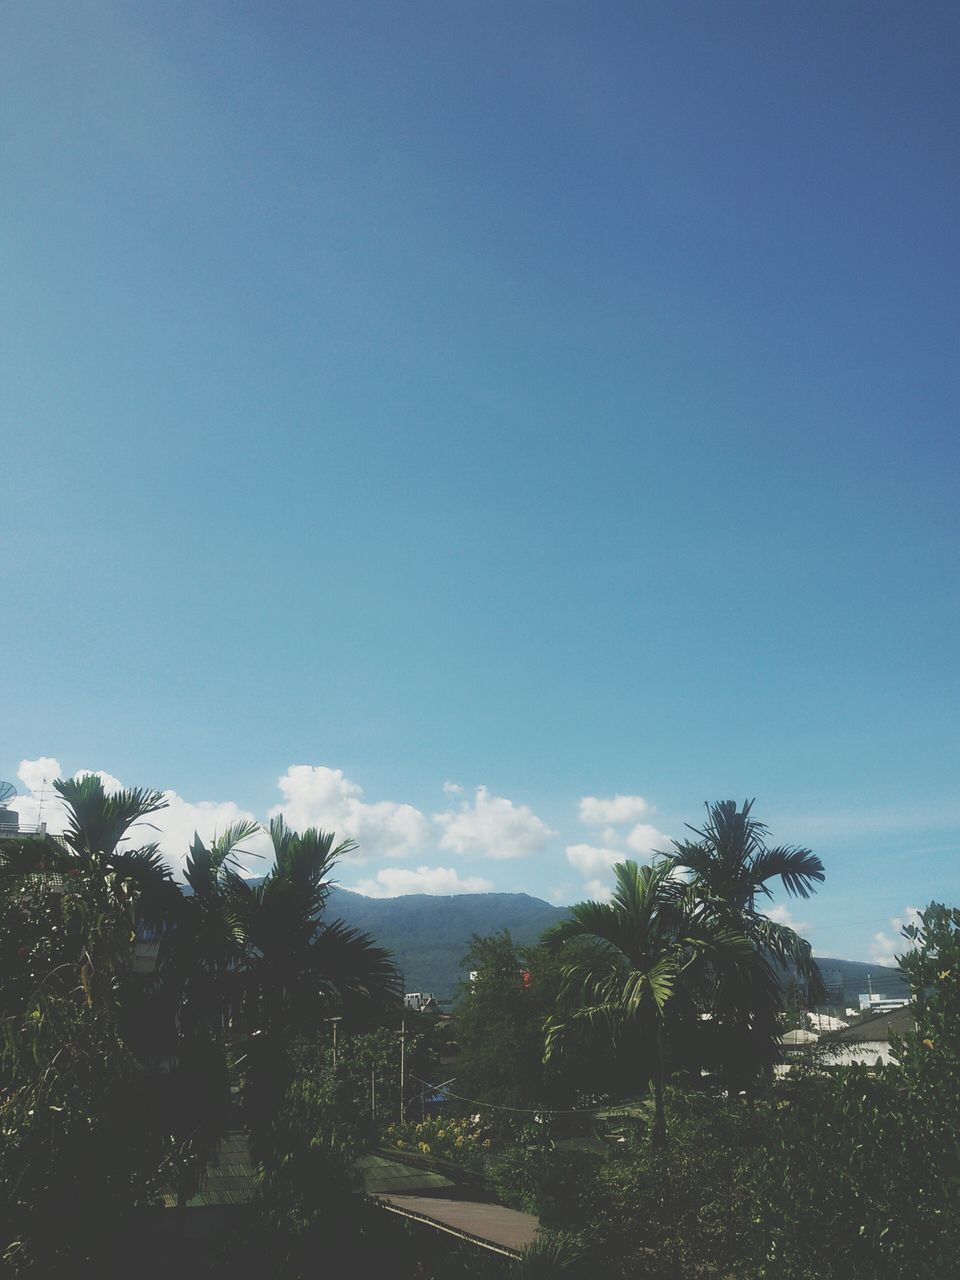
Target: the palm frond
pixel 225 847
pixel 350 963
pixel 797 868
pixel 97 822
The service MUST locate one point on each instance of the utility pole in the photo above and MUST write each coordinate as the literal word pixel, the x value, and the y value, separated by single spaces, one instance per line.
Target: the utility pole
pixel 334 1020
pixel 403 1041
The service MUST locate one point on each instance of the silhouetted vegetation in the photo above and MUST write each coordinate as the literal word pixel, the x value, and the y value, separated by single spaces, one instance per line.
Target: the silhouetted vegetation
pixel 616 1079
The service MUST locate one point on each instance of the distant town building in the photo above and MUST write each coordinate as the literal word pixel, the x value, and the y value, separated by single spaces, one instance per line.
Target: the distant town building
pixel 868 1042
pixel 873 1002
pixel 421 1002
pixel 822 1022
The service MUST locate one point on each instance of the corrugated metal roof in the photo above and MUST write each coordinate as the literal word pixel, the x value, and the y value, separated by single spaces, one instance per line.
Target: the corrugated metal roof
pixel 382 1176
pixel 231 1177
pixel 877 1027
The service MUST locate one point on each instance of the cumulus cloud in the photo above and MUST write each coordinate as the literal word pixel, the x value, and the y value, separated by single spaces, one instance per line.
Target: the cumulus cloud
pixel 885 948
pixel 208 818
pixel 645 840
pixel 317 796
pixel 452 788
pixel 591 860
pixel 37 801
pixel 393 882
pixel 603 811
pixel 781 914
pixel 492 827
pixel 598 890
pixel 171 828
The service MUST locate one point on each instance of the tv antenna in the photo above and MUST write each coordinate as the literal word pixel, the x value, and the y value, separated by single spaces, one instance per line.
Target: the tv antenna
pixel 7 792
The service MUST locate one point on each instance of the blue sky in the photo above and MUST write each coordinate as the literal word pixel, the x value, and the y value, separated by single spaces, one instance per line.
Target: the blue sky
pixel 555 401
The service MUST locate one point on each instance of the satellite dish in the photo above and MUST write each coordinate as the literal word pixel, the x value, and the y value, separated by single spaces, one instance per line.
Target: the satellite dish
pixel 7 792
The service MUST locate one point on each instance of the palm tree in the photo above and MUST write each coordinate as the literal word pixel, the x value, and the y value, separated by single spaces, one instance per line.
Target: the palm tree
pixel 294 963
pixel 292 966
pixel 730 866
pixel 651 935
pixel 109 892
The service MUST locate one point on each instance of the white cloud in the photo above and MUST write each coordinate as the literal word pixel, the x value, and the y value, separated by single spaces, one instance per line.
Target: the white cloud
pixel 171 828
pixel 38 802
pixel 392 882
pixel 452 788
pixel 591 859
pixel 316 796
pixel 492 827
pixel 110 784
pixel 645 840
pixel 781 914
pixel 597 811
pixel 37 775
pixel 598 890
pixel 208 818
pixel 884 949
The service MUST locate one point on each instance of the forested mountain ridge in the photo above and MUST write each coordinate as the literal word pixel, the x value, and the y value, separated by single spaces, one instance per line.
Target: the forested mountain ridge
pixel 429 935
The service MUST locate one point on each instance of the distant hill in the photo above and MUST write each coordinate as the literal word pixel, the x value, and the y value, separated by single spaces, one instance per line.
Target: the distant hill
pixel 855 976
pixel 429 935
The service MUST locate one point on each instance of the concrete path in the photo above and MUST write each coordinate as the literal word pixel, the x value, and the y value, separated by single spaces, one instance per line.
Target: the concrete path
pixel 503 1230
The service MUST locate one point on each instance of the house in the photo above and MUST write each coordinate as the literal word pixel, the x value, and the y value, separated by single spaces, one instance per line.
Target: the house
pixel 824 1022
pixel 421 1002
pixel 868 1041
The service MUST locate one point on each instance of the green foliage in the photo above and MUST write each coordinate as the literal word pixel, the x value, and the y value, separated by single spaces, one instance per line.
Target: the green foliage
pixel 499 1022
pixel 667 1212
pixel 518 1171
pixel 84 1137
pixel 115 1083
pixel 552 1254
pixel 461 1141
pixel 657 942
pixel 862 1172
pixel 730 866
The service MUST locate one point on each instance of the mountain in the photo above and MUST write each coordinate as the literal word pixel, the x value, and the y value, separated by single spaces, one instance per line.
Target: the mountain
pixel 429 936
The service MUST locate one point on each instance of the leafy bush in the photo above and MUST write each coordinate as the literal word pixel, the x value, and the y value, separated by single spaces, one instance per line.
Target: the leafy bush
pixel 861 1176
pixel 663 1212
pixel 461 1141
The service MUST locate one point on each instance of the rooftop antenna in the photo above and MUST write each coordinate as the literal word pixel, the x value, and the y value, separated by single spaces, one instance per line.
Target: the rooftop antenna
pixel 7 792
pixel 43 787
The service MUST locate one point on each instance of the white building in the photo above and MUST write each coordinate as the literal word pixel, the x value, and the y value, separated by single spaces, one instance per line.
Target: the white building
pixel 868 1042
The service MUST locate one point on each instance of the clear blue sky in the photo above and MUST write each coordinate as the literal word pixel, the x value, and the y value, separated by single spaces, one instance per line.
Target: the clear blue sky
pixel 553 398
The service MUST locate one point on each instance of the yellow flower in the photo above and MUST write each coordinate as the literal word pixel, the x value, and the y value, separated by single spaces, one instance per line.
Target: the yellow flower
pixel 928 1043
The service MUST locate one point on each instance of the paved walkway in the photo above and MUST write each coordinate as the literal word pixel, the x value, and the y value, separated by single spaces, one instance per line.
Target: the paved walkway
pixel 491 1225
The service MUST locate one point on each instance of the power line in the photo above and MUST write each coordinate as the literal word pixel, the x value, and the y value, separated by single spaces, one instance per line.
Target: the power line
pixel 527 1111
